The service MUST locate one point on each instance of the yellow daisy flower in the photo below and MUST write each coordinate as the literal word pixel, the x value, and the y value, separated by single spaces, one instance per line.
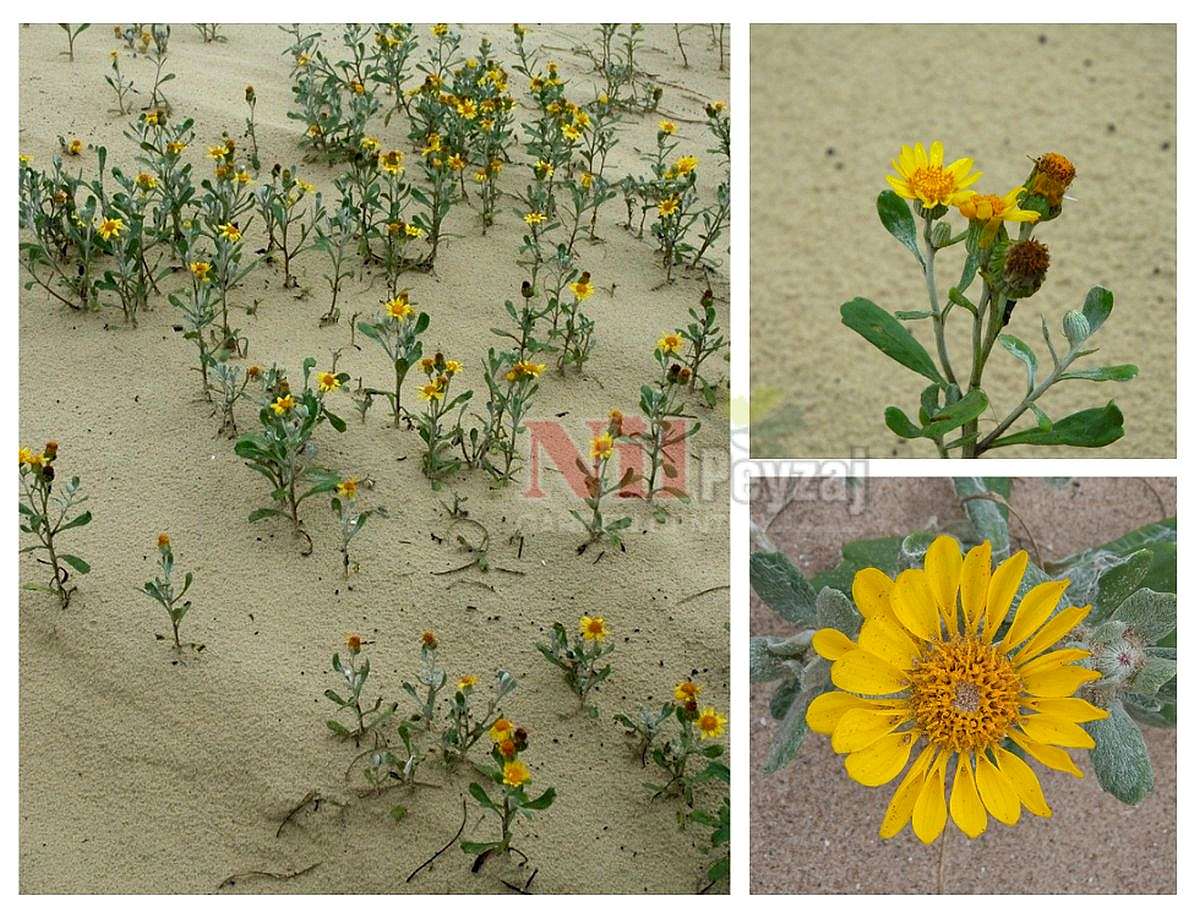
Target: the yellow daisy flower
pixel 670 343
pixel 348 488
pixel 327 381
pixel 687 691
pixel 924 178
pixel 467 682
pixel 602 446
pixel 710 723
pixel 200 270
pixel 516 774
pixel 432 391
pixel 413 232
pixel 593 627
pixel 231 232
pixel 501 730
pixel 283 404
pixel 993 210
pixel 582 288
pixel 666 127
pixel 534 218
pixel 930 667
pixel 668 206
pixel 399 308
pixel 392 162
pixel 111 227
pixel 685 165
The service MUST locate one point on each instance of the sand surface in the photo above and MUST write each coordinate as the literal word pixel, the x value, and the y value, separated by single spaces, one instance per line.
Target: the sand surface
pixel 830 108
pixel 143 774
pixel 813 830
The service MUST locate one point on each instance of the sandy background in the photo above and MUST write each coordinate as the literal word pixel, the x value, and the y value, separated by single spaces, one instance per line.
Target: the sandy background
pixel 830 107
pixel 814 830
pixel 140 775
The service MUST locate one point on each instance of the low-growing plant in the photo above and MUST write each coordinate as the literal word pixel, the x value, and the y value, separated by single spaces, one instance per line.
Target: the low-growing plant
pixel 1010 271
pixel 284 202
pixel 642 731
pixel 703 338
pixel 574 336
pixel 512 384
pixel 334 235
pixel 73 32
pixel 48 511
pixel 397 329
pixel 598 488
pixel 579 659
pixel 511 777
pixel 696 728
pixel 437 461
pixel 162 589
pixel 119 83
pixel 210 32
pixel 231 383
pixel 663 411
pixel 354 671
pixel 432 680
pixel 198 305
pixel 280 450
pixel 351 517
pixel 250 133
pixel 468 719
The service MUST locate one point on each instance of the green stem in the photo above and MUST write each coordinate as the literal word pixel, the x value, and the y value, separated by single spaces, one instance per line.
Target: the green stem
pixel 935 307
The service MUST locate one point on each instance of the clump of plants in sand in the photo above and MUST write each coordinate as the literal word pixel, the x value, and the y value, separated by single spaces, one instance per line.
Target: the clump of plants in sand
pixel 579 658
pixel 596 481
pixel 49 507
pixel 354 671
pixel 351 516
pixel 960 670
pixel 162 589
pixel 1010 269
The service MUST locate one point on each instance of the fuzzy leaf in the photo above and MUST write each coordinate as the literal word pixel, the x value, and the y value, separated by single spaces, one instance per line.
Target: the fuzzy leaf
pixel 835 610
pixel 1122 764
pixel 1096 306
pixel 884 330
pixel 763 666
pixel 1092 427
pixel 782 587
pixel 790 733
pixel 897 218
pixel 1150 614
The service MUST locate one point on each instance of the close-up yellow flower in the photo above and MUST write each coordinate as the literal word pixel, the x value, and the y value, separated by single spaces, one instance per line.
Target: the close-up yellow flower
pixel 668 206
pixel 593 627
pixel 392 161
pixel 534 218
pixel 200 270
pixel 501 730
pixel 687 691
pixel 666 127
pixel 283 404
pixel 164 540
pixel 467 682
pixel 710 723
pixel 685 165
pixel 432 391
pixel 516 774
pixel 930 669
pixel 348 488
pixel 602 446
pixel 111 227
pixel 670 343
pixel 399 308
pixel 231 232
pixel 147 181
pixel 582 288
pixel 327 381
pixel 923 177
pixel 992 210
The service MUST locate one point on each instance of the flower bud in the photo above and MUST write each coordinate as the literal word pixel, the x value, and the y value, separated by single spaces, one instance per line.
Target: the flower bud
pixel 51 450
pixel 1051 177
pixel 1076 327
pixel 1025 266
pixel 941 234
pixel 164 541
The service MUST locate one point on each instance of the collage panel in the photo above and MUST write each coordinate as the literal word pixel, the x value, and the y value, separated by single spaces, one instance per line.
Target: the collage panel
pixel 947 215
pixel 963 686
pixel 373 411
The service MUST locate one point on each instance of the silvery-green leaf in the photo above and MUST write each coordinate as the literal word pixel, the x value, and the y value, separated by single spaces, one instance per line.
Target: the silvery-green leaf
pixel 1154 674
pixel 1120 758
pixel 835 610
pixel 790 733
pixel 1150 614
pixel 1117 583
pixel 782 587
pixel 782 699
pixel 763 666
pixel 912 550
pixel 989 517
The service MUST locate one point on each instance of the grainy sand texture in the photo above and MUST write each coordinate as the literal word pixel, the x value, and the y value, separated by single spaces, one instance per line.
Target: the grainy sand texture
pixel 831 106
pixel 813 830
pixel 142 771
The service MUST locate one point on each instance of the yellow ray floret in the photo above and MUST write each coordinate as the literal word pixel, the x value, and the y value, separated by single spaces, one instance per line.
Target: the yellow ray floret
pixel 923 177
pixel 931 671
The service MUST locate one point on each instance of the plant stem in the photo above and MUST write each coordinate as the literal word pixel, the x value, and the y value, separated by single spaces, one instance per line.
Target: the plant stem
pixel 935 304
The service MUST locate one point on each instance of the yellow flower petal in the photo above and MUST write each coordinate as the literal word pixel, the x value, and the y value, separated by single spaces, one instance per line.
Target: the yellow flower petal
pixel 919 157
pixel 1024 781
pixel 900 808
pixel 859 671
pixel 976 575
pixel 996 791
pixel 861 727
pixel 943 566
pixel 1001 590
pixel 831 643
pixel 884 637
pixel 936 152
pixel 965 806
pixel 899 187
pixel 872 592
pixel 1050 756
pixel 929 813
pixel 1052 632
pixel 1056 731
pixel 826 710
pixel 1076 710
pixel 881 761
pixel 914 604
pixel 1035 607
pixel 1058 681
pixel 1053 660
